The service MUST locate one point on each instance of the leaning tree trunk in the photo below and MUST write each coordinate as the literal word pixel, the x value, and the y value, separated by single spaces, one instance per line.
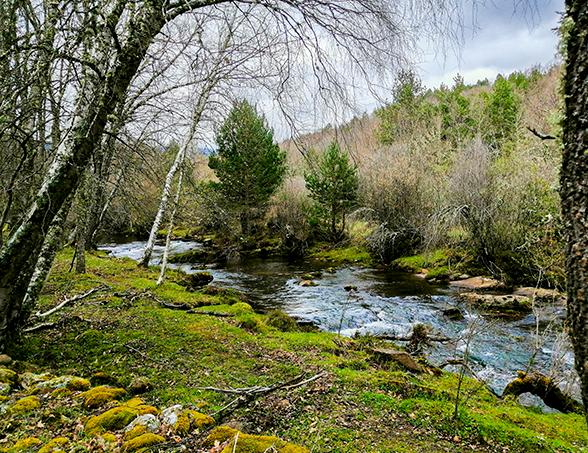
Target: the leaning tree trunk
pixel 197 112
pixel 18 257
pixel 574 182
pixel 170 228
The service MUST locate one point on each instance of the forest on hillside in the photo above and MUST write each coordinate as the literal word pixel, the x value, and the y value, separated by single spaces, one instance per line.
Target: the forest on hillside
pixel 177 273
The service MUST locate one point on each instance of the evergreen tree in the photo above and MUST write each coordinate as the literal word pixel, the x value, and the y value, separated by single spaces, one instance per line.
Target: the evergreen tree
pixel 408 112
pixel 250 166
pixel 457 123
pixel 333 183
pixel 502 110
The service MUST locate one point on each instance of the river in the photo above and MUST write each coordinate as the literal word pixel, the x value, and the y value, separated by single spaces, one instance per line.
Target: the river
pixel 390 303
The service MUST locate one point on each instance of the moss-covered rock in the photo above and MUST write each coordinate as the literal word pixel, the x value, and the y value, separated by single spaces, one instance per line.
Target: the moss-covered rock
pixel 73 383
pixel 242 307
pixel 54 445
pixel 29 380
pixel 8 376
pixel 281 321
pixel 248 443
pixel 146 423
pixel 113 419
pixel 26 444
pixel 99 396
pixel 190 420
pixel 4 388
pixel 192 282
pixel 139 385
pixel 109 438
pixel 142 441
pixel 24 405
pixel 135 431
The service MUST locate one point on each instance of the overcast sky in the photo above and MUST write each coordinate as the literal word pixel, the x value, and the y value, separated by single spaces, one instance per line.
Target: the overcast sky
pixel 507 38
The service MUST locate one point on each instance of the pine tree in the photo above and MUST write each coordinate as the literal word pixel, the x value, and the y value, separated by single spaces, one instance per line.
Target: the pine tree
pixel 333 183
pixel 250 166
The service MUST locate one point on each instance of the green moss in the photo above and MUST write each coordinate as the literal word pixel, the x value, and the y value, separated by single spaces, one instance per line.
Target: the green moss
pixel 242 307
pixel 113 419
pixel 8 376
pixel 199 351
pixel 54 445
pixel 142 441
pixel 190 420
pixel 26 444
pixel 346 255
pixel 250 322
pixel 247 443
pixel 135 432
pixel 99 396
pixel 281 321
pixel 24 405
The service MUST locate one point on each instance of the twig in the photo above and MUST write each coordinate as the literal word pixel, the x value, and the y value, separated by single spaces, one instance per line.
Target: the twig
pixel 51 325
pixel 70 300
pixel 145 356
pixel 248 394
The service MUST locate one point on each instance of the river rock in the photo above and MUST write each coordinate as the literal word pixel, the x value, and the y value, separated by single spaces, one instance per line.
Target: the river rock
pixel 452 313
pixel 307 283
pixel 497 302
pixel 479 284
pixel 197 280
pixel 542 295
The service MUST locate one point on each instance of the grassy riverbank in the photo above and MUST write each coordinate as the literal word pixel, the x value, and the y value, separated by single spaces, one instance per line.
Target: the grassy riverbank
pixel 361 404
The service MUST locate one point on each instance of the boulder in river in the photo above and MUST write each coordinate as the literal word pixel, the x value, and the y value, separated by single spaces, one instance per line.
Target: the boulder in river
pixel 542 295
pixel 453 313
pixel 307 283
pixel 499 303
pixel 479 284
pixel 195 281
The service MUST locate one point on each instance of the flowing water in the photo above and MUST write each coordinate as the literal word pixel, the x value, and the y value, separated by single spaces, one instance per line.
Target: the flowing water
pixel 388 303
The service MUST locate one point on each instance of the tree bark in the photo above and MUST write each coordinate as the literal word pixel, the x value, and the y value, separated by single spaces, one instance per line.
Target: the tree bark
pixel 574 182
pixel 18 257
pixel 170 229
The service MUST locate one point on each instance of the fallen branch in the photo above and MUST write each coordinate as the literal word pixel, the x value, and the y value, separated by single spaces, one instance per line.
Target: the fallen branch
pixel 51 325
pixel 248 394
pixel 538 134
pixel 71 300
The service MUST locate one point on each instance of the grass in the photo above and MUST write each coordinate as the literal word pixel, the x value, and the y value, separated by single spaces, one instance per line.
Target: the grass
pixel 351 254
pixel 360 406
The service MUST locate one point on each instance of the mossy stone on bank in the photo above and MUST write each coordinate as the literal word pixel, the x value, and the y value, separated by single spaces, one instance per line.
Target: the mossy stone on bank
pixel 249 443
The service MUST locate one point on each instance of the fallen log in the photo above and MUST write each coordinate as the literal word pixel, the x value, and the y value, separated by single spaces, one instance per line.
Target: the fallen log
pixel 248 394
pixel 545 388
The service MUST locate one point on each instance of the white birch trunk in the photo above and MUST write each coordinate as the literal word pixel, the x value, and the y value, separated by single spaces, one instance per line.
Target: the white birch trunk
pixel 170 229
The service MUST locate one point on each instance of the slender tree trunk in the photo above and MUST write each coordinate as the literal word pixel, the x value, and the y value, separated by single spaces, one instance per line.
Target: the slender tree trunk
pixel 180 156
pixel 170 229
pixel 18 256
pixel 574 183
pixel 167 187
